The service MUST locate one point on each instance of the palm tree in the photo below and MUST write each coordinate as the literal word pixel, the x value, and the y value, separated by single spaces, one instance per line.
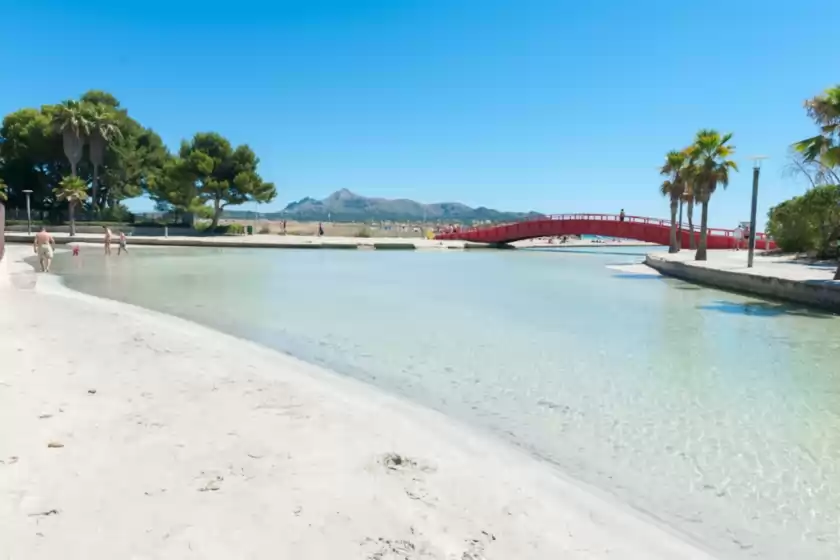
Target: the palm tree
pixel 70 119
pixel 673 188
pixel 710 151
pixel 73 190
pixel 689 174
pixel 4 196
pixel 825 112
pixel 824 149
pixel 103 130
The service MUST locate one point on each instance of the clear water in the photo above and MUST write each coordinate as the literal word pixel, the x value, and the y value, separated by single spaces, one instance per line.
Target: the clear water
pixel 718 414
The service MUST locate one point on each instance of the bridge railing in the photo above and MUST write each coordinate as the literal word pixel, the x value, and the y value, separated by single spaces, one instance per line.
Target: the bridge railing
pixel 645 220
pixel 761 238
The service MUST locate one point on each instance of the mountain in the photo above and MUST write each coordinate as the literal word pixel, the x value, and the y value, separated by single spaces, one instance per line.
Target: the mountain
pixel 345 206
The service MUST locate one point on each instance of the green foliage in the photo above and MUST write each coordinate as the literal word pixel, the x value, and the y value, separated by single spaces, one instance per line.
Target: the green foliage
pixel 709 158
pixel 210 170
pixel 71 189
pixel 234 229
pixel 824 149
pixel 70 119
pixel 103 130
pixel 820 204
pixel 117 213
pixel 32 157
pixel 227 229
pixel 40 146
pixel 32 153
pixel 708 166
pixel 675 161
pixel 202 212
pixel 810 222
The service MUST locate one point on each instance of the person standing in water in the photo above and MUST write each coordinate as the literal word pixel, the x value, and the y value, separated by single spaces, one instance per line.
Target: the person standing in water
pixel 108 236
pixel 123 244
pixel 44 246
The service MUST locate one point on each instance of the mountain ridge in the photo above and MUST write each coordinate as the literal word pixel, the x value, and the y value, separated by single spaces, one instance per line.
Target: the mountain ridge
pixel 346 206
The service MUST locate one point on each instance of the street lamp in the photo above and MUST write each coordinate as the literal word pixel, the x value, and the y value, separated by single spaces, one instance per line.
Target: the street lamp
pixel 756 170
pixel 28 212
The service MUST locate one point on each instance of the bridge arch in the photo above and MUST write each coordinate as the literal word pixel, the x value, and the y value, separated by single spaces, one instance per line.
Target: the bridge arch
pixel 649 230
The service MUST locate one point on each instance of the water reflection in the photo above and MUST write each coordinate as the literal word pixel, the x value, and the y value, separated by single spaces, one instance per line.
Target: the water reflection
pixel 714 412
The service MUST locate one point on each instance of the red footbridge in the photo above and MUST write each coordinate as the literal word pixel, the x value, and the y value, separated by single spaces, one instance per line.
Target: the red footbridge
pixel 649 230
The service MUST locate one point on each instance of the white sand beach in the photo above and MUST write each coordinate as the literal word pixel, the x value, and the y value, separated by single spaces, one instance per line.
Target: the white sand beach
pixel 127 434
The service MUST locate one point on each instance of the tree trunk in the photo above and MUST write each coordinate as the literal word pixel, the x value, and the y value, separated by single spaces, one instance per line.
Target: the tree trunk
pixel 217 214
pixel 704 222
pixel 674 248
pixel 71 210
pixel 692 243
pixel 837 273
pixel 72 168
pixel 95 188
pixel 679 227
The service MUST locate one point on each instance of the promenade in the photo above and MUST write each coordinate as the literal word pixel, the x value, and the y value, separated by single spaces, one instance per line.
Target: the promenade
pixel 776 276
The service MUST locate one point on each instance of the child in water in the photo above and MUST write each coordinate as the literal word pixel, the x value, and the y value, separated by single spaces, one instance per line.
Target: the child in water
pixel 123 246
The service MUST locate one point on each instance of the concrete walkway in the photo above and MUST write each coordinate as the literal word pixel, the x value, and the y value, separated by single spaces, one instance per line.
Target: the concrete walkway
pixel 781 277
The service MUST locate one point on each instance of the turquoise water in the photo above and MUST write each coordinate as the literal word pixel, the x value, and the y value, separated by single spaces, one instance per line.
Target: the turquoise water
pixel 715 413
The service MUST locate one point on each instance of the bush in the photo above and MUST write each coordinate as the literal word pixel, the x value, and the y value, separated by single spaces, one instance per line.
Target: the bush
pixel 363 232
pixel 810 222
pixel 227 229
pixel 160 224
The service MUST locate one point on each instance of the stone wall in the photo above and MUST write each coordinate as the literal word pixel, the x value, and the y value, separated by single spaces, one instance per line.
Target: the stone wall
pixel 824 294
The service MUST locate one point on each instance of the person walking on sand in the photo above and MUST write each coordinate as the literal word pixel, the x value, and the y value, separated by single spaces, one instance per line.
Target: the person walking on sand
pixel 44 246
pixel 108 236
pixel 123 244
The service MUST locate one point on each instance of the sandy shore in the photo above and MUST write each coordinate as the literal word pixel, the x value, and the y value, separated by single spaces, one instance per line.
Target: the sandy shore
pixel 130 434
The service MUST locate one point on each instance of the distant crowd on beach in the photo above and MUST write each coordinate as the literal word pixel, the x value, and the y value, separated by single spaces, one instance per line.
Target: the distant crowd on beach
pixel 44 246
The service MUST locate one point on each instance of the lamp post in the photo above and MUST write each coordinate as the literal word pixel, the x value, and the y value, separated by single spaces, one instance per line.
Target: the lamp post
pixel 28 212
pixel 756 171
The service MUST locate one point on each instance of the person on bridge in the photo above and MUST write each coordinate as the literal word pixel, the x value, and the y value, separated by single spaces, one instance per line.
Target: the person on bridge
pixel 621 215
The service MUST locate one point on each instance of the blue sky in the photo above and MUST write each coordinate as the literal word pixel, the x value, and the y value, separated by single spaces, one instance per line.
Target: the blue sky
pixel 546 105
